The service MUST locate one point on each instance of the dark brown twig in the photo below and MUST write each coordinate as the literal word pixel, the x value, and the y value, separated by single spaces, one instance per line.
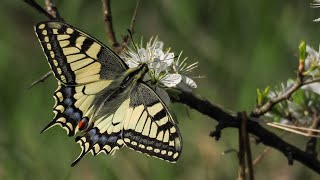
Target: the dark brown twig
pixel 37 7
pixel 126 38
pixel 246 141
pixel 107 14
pixel 241 154
pixel 52 10
pixel 259 158
pixel 134 16
pixel 259 111
pixel 42 79
pixel 272 102
pixel 311 147
pixel 226 120
pixel 107 17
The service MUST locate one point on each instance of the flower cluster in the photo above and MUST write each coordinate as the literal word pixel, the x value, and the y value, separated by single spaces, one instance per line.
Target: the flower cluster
pixel 299 109
pixel 165 70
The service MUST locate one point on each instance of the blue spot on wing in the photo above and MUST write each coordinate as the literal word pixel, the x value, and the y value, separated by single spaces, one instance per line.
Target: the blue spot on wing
pixel 69 111
pixel 68 101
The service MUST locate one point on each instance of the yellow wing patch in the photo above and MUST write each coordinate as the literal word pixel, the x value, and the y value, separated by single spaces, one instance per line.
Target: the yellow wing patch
pixel 75 57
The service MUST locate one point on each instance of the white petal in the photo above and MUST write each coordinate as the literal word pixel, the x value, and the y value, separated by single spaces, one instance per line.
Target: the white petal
pixel 158 66
pixel 171 80
pixel 188 81
pixel 158 45
pixel 314 87
pixel 167 58
pixel 132 64
pixel 143 55
pixel 157 54
pixel 311 51
pixel 312 56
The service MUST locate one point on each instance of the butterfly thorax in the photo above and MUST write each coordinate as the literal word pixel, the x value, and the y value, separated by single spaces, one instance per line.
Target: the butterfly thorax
pixel 134 75
pixel 120 87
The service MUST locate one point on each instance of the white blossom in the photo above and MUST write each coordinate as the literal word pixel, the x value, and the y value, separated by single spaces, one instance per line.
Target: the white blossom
pixel 312 60
pixel 164 69
pixel 181 67
pixel 312 64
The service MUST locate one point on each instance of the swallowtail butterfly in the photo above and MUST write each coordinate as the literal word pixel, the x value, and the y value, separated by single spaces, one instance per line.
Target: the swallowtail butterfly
pixel 102 100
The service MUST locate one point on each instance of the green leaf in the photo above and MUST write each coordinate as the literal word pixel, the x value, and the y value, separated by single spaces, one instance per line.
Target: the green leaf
pixel 299 97
pixel 302 51
pixel 259 97
pixel 262 97
pixel 266 91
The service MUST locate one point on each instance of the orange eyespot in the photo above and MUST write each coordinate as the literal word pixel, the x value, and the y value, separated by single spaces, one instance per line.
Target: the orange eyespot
pixel 83 123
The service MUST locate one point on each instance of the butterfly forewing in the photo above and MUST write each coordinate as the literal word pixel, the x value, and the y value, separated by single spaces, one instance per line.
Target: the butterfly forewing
pixel 83 67
pixel 75 57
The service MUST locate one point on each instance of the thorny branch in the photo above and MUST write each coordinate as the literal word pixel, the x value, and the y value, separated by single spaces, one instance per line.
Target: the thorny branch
pixel 268 138
pixel 224 119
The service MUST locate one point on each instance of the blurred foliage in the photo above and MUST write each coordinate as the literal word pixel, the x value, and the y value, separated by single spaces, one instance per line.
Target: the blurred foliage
pixel 240 46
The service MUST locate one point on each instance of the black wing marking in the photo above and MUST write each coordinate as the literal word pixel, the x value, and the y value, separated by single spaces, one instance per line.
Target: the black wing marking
pixel 105 134
pixel 139 120
pixel 74 105
pixel 75 57
pixel 151 128
pixel 83 67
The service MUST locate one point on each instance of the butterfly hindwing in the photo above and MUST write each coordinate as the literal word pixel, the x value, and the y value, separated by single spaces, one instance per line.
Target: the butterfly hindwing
pixel 75 57
pixel 73 104
pixel 105 134
pixel 151 128
pixel 139 120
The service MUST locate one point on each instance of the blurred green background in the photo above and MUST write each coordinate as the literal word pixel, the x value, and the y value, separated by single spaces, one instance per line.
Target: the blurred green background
pixel 240 45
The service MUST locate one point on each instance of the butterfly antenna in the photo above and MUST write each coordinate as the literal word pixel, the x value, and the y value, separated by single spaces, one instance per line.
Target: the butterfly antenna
pixel 131 37
pixel 134 44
